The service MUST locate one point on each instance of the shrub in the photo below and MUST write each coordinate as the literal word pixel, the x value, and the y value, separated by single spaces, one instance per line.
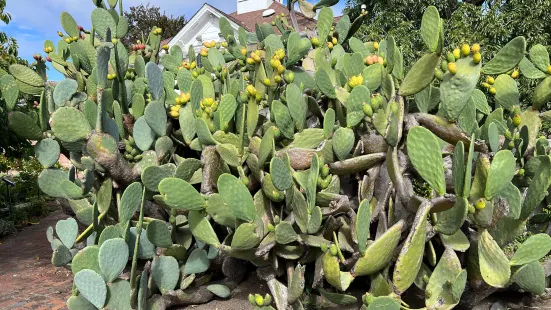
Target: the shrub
pixel 300 161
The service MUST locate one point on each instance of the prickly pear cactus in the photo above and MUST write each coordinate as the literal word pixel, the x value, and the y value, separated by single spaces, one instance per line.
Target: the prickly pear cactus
pixel 297 155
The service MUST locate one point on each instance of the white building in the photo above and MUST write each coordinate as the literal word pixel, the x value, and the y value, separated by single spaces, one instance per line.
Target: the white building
pixel 203 26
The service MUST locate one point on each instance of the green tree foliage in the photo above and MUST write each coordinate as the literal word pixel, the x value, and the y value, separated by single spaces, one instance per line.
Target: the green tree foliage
pixel 142 18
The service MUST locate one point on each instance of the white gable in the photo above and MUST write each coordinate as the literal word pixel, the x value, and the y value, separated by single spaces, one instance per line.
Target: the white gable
pixel 204 26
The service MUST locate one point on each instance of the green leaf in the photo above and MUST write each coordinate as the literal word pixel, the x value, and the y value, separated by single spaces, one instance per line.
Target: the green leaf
pixel 424 152
pixel 165 272
pixel 197 262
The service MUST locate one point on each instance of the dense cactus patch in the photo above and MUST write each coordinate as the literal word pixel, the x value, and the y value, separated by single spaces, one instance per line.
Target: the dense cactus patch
pixel 317 159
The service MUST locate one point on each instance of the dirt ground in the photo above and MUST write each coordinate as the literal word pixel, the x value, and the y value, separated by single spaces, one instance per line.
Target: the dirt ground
pixel 28 280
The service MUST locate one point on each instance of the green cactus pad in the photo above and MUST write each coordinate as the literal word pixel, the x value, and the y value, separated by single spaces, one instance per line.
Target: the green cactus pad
pixel 420 75
pixel 219 211
pixel 229 154
pixel 363 220
pixel 534 248
pixel 237 196
pixel 343 142
pixel 228 105
pixel 118 295
pixel 456 89
pixel 502 171
pixel 102 20
pixel 47 152
pixel 70 125
pixel 155 115
pixel 165 272
pixel 201 228
pixel 511 194
pixel 507 58
pixel 424 152
pixel 284 233
pixel 450 221
pixel 187 125
pixel 373 76
pixel 324 83
pixel 281 174
pixel 112 258
pixel 24 126
pixel 79 303
pixel 109 232
pixel 507 94
pixel 152 177
pixel 64 91
pixel 428 98
pixel 430 28
pixel 61 256
pixel 245 237
pixel 143 134
pixel 410 258
pixel 297 106
pixel 458 241
pixel 380 252
pixel 187 168
pixel 179 194
pixel 494 265
pixel 297 48
pixel 158 234
pixel 531 278
pixel 529 70
pixel 338 279
pixel 10 91
pixel 314 220
pixel 129 202
pixel 540 57
pixel 146 249
pixel 67 231
pixel 219 290
pixel 203 132
pixel 441 294
pixel 283 119
pixel 155 81
pixel 339 299
pixel 458 168
pixel 359 96
pixel 92 287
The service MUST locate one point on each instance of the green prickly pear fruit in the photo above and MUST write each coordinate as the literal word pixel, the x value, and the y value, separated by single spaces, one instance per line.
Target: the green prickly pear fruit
pixel 276 219
pixel 516 136
pixel 428 294
pixel 267 299
pixel 444 65
pixel 480 204
pixel 245 180
pixel 492 90
pixel 367 110
pixel 511 145
pixel 376 102
pixel 259 300
pixel 277 132
pixel 516 120
pixel 490 80
pixel 323 247
pixel 450 57
pixel 333 249
pixel 315 42
pixel 471 208
pixel 319 182
pixel 334 62
pixel 252 300
pixel 508 135
pixel 485 85
pixel 521 172
pixel 516 109
pixel 324 171
pixel 475 48
pixel 271 227
pixel 289 77
pixel 426 279
pixel 439 74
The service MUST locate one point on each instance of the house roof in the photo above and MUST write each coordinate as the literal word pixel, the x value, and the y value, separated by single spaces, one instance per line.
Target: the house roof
pixel 250 19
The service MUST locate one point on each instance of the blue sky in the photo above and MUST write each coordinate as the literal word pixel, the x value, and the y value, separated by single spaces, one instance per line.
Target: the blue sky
pixel 34 21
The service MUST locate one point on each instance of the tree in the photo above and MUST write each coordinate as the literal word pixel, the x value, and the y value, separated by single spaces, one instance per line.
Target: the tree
pixel 142 18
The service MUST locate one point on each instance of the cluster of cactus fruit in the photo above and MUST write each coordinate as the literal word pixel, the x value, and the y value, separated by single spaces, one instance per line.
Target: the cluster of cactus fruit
pixel 298 160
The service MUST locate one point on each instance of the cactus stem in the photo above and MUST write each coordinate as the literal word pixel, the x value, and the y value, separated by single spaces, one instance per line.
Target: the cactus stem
pixel 101 111
pixel 122 87
pixel 138 232
pixel 88 230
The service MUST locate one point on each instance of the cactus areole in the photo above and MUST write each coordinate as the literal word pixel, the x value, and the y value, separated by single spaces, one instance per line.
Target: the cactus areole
pixel 306 162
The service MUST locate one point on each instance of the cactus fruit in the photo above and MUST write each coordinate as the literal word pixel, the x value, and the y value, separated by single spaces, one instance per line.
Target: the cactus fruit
pixel 249 155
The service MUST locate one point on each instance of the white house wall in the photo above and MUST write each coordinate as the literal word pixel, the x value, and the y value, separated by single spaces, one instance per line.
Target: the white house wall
pixel 205 24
